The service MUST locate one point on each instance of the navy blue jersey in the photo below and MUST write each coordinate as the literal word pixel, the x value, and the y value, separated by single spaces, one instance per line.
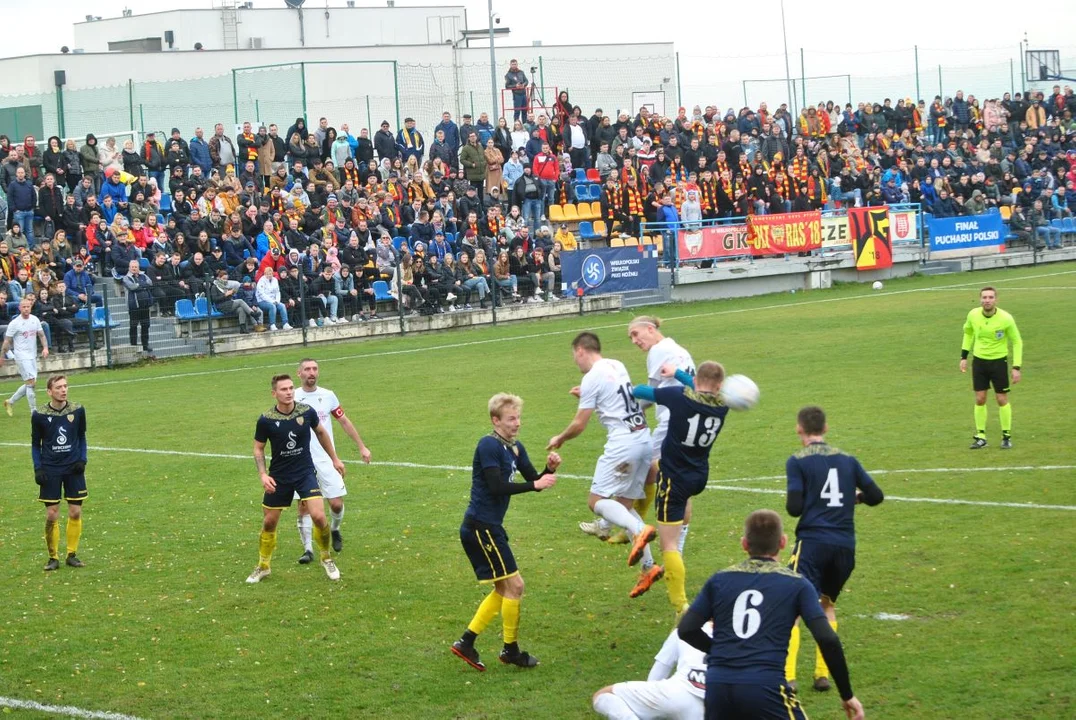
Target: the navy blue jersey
pixel 492 452
pixel 753 606
pixel 827 479
pixel 58 437
pixel 289 437
pixel 695 421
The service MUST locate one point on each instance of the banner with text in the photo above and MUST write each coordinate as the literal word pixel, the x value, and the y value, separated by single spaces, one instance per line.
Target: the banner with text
pixel 869 228
pixel 713 241
pixel 608 270
pixel 782 233
pixel 903 228
pixel 967 232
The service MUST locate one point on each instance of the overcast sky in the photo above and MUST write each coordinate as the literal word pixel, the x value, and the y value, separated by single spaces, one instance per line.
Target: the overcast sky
pixel 718 49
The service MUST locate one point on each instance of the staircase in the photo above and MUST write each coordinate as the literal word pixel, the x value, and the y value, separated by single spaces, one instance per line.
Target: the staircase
pixel 651 296
pixel 163 336
pixel 940 267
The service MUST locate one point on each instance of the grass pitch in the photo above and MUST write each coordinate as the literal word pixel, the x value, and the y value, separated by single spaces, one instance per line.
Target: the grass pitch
pixel 160 624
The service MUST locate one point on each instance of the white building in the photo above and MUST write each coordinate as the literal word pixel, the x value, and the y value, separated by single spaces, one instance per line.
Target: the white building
pixel 352 65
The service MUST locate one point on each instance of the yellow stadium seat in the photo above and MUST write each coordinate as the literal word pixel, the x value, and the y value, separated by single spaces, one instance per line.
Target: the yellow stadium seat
pixel 583 211
pixel 596 209
pixel 600 228
pixel 616 242
pixel 570 213
pixel 660 243
pixel 1006 212
pixel 556 214
pixel 631 242
pixel 646 240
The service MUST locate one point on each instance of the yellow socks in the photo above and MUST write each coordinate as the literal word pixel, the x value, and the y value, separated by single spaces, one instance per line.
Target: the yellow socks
pixel 52 538
pixel 980 420
pixel 266 546
pixel 487 611
pixel 820 668
pixel 643 505
pixel 322 535
pixel 74 532
pixel 675 578
pixel 510 620
pixel 793 652
pixel 1005 416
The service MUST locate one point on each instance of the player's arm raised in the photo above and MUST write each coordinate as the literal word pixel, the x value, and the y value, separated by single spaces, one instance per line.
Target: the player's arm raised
pixel 575 429
pixel 327 446
pixel 263 473
pixel 353 433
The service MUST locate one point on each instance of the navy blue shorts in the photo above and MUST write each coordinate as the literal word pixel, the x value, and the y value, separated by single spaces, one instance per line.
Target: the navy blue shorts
pixel 62 485
pixel 281 498
pixel 728 701
pixel 828 567
pixel 487 549
pixel 672 496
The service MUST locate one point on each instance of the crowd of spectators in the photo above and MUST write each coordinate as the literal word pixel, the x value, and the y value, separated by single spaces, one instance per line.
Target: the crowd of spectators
pixel 301 226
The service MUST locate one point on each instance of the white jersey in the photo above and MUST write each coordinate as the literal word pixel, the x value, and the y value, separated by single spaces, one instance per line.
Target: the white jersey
pixel 327 407
pixel 607 389
pixel 666 351
pixel 690 663
pixel 23 334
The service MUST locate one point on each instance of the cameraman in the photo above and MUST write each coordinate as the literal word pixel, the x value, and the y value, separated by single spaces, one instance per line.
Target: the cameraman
pixel 516 81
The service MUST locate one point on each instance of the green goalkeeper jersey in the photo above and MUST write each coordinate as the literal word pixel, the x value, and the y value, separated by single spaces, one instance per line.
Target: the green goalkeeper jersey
pixel 988 337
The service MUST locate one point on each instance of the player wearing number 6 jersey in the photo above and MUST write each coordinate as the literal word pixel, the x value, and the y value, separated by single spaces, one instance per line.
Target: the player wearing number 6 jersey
pixel 695 417
pixel 621 470
pixel 754 606
pixel 824 486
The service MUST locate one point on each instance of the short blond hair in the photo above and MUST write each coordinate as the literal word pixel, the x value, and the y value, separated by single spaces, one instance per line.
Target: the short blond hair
pixel 504 401
pixel 711 373
pixel 646 320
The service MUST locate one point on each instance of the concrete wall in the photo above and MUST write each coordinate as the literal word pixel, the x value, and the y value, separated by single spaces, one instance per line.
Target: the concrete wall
pixel 278 27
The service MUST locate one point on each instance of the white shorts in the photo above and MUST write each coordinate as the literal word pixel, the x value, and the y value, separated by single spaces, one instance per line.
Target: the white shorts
pixel 669 698
pixel 330 482
pixel 622 468
pixel 27 368
pixel 657 438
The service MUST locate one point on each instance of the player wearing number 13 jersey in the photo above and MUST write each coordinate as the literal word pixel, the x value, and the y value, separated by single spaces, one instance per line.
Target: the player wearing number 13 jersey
pixel 621 470
pixel 824 486
pixel 754 606
pixel 695 418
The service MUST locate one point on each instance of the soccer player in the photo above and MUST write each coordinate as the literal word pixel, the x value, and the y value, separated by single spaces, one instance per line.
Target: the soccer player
pixel 695 416
pixel 661 696
pixel 987 334
pixel 327 406
pixel 496 459
pixel 824 486
pixel 287 427
pixel 621 470
pixel 754 606
pixel 23 332
pixel 58 447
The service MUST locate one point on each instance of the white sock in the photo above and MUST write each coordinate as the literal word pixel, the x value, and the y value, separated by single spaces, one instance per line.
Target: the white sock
pixel 31 397
pixel 602 524
pixel 18 394
pixel 683 538
pixel 612 707
pixel 617 514
pixel 336 518
pixel 306 531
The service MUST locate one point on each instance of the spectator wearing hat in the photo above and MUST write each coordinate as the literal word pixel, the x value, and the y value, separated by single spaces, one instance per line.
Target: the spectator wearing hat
pixel 79 284
pixel 409 142
pixel 139 301
pixel 223 294
pixel 166 282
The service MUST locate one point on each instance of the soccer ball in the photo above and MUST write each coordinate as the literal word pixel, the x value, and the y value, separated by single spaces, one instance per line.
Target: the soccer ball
pixel 877 285
pixel 739 392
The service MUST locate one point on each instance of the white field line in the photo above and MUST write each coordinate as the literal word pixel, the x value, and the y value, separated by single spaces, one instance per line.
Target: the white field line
pixel 62 710
pixel 553 333
pixel 919 471
pixel 734 488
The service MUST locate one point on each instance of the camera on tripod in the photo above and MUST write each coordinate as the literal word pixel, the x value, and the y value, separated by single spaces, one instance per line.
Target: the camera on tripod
pixel 534 69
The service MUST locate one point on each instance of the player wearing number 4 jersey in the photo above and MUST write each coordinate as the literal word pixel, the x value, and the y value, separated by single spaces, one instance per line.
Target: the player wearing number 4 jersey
pixel 695 416
pixel 824 486
pixel 754 606
pixel 621 470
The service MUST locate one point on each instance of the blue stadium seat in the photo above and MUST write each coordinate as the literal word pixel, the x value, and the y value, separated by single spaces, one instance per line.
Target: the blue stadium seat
pixel 1057 224
pixel 398 242
pixel 993 210
pixel 580 175
pixel 1068 225
pixel 450 238
pixel 166 203
pixel 586 230
pixel 101 320
pixel 185 311
pixel 202 306
pixel 143 263
pixel 381 291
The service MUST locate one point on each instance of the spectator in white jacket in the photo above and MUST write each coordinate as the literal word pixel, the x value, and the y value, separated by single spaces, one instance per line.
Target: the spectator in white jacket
pixel 691 210
pixel 267 294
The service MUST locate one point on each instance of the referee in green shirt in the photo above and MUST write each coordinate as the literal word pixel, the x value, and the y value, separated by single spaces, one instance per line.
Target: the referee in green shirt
pixel 987 334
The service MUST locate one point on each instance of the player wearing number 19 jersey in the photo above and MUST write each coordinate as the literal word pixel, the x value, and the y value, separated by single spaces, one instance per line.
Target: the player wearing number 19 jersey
pixel 824 486
pixel 754 606
pixel 621 470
